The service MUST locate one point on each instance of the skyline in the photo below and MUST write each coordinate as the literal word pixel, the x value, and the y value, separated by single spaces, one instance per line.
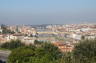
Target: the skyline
pixel 47 12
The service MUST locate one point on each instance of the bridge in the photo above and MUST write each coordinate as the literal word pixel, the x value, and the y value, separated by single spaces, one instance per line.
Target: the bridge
pixel 53 32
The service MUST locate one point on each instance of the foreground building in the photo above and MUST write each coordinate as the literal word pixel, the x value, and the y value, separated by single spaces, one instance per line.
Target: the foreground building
pixel 64 47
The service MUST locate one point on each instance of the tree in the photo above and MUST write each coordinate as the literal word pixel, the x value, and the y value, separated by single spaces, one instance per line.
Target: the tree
pixel 5 30
pixel 3 26
pixel 12 44
pixel 36 42
pixel 83 37
pixel 21 55
pixel 53 51
pixel 47 53
pixel 85 51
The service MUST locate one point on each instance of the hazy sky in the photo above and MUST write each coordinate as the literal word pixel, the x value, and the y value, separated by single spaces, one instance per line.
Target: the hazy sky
pixel 47 11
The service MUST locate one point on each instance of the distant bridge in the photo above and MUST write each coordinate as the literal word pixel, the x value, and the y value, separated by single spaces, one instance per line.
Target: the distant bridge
pixel 53 32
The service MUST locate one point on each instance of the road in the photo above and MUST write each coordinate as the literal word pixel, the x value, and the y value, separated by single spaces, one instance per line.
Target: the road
pixel 4 54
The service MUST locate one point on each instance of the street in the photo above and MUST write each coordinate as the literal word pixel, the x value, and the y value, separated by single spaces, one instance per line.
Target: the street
pixel 4 55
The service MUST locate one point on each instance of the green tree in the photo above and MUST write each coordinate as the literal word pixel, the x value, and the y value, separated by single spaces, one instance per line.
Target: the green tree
pixel 5 30
pixel 36 42
pixel 47 53
pixel 85 51
pixel 83 37
pixel 21 55
pixel 12 44
pixel 52 50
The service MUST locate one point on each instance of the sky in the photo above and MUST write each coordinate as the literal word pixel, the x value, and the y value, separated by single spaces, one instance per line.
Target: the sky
pixel 47 11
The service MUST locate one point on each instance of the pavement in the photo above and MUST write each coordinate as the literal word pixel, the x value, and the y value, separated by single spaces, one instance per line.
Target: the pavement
pixel 4 55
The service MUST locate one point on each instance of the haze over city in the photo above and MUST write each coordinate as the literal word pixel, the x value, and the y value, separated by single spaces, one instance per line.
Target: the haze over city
pixel 47 31
pixel 47 11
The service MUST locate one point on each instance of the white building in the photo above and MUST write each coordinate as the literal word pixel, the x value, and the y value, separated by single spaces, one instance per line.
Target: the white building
pixel 76 36
pixel 0 30
pixel 10 37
